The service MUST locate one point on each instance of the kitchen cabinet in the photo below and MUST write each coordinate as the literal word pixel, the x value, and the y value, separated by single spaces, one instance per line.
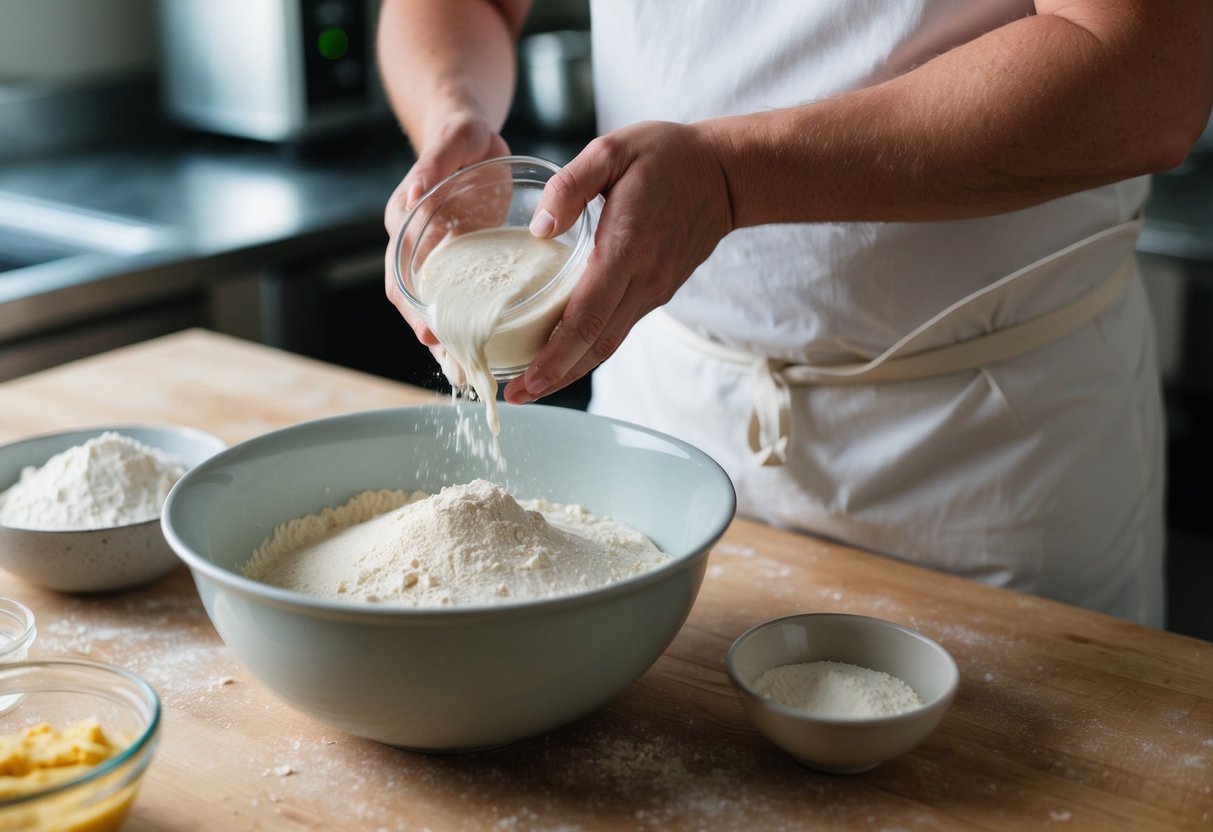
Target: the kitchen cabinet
pixel 1177 260
pixel 61 345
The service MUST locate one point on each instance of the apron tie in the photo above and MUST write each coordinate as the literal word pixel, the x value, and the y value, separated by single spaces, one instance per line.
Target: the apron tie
pixel 769 432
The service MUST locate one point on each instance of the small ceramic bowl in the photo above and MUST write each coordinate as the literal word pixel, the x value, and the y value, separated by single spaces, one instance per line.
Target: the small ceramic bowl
pixel 61 694
pixel 837 745
pixel 502 192
pixel 94 560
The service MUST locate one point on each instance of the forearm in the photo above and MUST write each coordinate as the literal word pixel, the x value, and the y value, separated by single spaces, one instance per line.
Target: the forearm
pixel 447 60
pixel 1042 107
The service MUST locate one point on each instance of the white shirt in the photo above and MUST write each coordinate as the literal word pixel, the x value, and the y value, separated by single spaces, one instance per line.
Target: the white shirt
pixel 825 293
pixel 1042 473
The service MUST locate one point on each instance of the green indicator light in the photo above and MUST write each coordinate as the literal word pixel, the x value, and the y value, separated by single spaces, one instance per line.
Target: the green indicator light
pixel 333 43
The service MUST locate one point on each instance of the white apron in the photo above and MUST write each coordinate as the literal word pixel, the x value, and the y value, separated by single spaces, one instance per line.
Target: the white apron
pixel 1029 456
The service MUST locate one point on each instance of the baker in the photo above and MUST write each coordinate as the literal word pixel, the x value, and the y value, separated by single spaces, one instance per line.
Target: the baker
pixel 888 252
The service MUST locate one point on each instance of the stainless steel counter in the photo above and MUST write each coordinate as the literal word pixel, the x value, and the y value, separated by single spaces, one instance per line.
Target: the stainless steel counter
pixel 213 207
pixel 145 224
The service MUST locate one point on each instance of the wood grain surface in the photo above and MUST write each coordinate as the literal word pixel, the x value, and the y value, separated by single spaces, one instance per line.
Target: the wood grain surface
pixel 1065 719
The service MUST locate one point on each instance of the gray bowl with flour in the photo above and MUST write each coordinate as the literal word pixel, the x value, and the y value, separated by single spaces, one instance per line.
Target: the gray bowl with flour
pixel 100 559
pixel 466 677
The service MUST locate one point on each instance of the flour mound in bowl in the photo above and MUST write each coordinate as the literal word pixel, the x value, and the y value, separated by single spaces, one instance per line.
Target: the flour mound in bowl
pixel 468 545
pixel 110 480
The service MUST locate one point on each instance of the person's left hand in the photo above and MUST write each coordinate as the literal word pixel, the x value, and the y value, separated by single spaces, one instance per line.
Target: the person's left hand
pixel 667 206
pixel 458 142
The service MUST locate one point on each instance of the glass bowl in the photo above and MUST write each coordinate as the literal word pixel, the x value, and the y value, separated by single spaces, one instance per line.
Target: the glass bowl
pixel 63 693
pixel 502 192
pixel 17 630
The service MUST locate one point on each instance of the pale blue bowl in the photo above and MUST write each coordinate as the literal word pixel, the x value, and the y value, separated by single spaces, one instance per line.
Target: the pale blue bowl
pixel 450 679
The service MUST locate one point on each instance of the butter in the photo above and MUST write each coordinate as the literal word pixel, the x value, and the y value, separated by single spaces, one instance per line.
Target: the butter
pixel 40 757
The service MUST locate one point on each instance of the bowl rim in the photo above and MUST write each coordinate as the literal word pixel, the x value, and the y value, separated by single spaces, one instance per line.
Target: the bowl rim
pixel 145 742
pixel 91 432
pixel 583 227
pixel 18 611
pixel 387 613
pixel 744 687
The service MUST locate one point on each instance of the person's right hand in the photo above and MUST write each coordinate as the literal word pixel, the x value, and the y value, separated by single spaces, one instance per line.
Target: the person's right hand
pixel 457 143
pixel 667 205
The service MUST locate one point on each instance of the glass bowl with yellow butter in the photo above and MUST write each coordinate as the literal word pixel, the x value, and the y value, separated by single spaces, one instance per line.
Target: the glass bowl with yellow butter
pixel 74 744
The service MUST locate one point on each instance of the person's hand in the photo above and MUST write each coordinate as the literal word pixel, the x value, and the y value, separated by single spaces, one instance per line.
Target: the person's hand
pixel 456 144
pixel 667 206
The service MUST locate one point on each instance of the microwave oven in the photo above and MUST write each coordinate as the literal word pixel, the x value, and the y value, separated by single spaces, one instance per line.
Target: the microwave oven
pixel 275 70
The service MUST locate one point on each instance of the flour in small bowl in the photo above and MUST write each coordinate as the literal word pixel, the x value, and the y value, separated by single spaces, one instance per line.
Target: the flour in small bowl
pixel 837 690
pixel 468 545
pixel 110 480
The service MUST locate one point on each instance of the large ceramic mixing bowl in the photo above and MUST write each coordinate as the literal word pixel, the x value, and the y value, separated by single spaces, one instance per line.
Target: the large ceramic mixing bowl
pixel 449 679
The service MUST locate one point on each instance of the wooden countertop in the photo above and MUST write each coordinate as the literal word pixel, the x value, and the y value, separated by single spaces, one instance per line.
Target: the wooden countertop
pixel 1065 719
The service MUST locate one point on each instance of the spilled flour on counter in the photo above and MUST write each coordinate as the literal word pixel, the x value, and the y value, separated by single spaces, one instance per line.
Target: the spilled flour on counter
pixel 469 544
pixel 110 480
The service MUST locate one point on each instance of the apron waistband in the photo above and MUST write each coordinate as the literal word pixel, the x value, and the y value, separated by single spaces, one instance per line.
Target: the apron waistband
pixel 770 427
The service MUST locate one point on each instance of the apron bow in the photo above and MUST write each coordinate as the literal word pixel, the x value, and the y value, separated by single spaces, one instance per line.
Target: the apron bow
pixel 770 430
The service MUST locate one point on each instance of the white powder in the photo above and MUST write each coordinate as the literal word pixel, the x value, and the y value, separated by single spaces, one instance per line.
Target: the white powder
pixel 837 690
pixel 469 544
pixel 110 480
pixel 468 281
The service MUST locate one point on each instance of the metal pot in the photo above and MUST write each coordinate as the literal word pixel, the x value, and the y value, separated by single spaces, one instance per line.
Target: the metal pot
pixel 555 83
